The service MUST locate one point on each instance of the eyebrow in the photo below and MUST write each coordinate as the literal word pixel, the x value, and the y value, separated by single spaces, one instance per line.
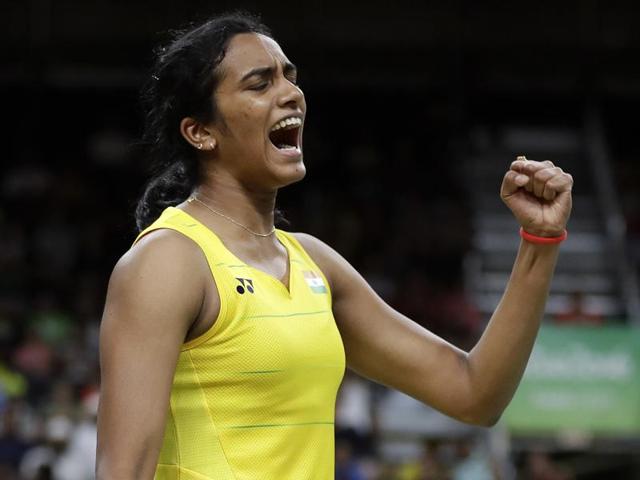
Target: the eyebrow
pixel 287 68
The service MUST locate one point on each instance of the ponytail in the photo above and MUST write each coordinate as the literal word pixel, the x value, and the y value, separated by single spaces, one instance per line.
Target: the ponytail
pixel 183 83
pixel 166 189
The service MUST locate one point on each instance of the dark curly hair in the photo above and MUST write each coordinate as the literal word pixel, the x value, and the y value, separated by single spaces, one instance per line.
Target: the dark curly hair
pixel 182 83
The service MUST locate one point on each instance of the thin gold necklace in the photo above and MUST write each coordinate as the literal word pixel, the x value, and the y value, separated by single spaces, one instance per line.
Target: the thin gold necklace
pixel 226 217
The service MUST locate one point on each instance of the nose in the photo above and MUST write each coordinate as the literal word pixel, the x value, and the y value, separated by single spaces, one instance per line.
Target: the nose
pixel 291 95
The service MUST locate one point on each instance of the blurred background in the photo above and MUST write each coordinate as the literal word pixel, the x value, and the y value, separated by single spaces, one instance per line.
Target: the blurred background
pixel 415 110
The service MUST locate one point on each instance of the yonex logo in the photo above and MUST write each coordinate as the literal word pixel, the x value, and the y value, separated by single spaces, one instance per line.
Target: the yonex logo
pixel 245 284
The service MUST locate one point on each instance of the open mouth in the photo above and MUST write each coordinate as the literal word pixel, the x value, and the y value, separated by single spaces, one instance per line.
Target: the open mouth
pixel 285 134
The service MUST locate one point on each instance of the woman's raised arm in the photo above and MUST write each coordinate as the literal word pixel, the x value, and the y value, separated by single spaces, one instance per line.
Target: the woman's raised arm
pixel 474 387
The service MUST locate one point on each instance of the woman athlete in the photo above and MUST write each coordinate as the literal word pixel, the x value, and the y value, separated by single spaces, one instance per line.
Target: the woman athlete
pixel 221 353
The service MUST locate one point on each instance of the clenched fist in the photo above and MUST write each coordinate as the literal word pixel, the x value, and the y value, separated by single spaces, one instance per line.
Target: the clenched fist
pixel 539 195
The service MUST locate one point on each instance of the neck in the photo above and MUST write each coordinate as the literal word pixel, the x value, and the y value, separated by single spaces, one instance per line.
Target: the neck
pixel 253 209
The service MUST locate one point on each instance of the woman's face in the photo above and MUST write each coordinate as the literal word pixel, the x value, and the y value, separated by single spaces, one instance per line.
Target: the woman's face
pixel 261 113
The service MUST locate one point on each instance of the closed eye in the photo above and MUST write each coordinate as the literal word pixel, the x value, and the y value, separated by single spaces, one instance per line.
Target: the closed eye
pixel 259 86
pixel 266 75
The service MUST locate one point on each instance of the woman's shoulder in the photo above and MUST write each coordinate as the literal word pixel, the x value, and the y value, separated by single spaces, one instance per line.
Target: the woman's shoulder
pixel 163 245
pixel 157 284
pixel 161 256
pixel 315 247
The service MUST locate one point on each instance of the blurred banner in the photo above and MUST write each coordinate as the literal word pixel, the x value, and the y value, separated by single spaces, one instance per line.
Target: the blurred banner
pixel 580 379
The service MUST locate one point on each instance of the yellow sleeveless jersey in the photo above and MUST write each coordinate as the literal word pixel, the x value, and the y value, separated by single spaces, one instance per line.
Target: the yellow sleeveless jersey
pixel 254 397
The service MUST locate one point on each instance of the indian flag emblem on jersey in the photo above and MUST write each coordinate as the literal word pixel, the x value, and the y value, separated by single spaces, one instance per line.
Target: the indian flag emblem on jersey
pixel 315 282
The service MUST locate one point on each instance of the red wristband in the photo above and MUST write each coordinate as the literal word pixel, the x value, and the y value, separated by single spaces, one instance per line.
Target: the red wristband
pixel 543 240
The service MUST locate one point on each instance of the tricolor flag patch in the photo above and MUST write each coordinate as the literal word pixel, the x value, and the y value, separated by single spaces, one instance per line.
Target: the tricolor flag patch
pixel 315 282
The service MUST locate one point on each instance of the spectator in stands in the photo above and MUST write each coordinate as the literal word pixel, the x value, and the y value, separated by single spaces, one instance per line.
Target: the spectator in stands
pixel 39 461
pixel 347 466
pixel 576 313
pixel 540 466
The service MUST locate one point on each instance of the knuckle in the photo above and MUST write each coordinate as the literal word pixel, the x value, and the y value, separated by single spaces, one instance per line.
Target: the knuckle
pixel 549 173
pixel 543 174
pixel 532 165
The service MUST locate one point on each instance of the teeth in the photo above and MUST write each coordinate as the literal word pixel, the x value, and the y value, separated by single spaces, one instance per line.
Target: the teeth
pixel 284 146
pixel 286 122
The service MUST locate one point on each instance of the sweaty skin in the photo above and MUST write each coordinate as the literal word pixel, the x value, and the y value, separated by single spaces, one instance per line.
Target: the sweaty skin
pixel 161 292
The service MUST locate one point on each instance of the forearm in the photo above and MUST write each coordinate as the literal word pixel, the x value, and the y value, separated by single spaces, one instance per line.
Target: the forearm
pixel 497 362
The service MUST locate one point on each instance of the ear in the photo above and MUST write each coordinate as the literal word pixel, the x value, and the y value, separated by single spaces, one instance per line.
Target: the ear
pixel 199 135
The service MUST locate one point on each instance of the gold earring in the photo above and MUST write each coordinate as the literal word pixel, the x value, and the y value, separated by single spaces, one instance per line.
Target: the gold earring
pixel 211 145
pixel 199 146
